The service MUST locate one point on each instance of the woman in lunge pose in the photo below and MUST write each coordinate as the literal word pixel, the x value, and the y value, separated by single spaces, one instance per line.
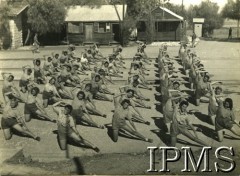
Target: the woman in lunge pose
pixel 67 128
pixel 8 86
pixel 225 119
pixel 181 124
pixel 33 106
pixel 80 112
pixel 12 119
pixel 121 113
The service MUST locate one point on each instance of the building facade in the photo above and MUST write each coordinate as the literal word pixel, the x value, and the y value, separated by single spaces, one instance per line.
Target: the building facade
pixel 94 25
pixel 166 24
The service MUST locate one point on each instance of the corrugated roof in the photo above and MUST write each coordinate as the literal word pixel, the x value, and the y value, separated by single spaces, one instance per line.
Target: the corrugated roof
pixel 101 13
pixel 172 13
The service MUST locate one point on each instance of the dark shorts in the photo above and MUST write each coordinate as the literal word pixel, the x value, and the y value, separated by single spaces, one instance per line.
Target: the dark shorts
pixel 23 83
pixel 199 93
pixel 94 91
pixel 77 113
pixel 38 74
pixel 30 108
pixel 118 123
pixel 7 123
pixel 47 95
pixel 64 78
pixel 223 123
pixel 6 90
pixel 64 132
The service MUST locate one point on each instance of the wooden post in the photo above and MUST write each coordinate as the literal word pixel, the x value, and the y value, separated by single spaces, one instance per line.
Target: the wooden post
pixel 123 22
pixel 238 28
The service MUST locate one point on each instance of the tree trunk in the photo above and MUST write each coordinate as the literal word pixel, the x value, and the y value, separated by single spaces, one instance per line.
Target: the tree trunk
pixel 27 38
pixel 238 28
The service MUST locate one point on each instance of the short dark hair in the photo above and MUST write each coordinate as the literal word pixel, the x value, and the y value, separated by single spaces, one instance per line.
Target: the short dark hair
pixel 39 61
pixel 81 92
pixel 206 76
pixel 218 88
pixel 136 65
pixel 88 84
pixel 125 101
pixel 36 89
pixel 11 76
pixel 52 78
pixel 184 102
pixel 29 70
pixel 68 66
pixel 98 76
pixel 176 82
pixel 130 90
pixel 230 101
pixel 69 107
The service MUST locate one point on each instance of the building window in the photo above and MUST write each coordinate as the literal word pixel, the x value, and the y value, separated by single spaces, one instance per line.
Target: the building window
pixel 75 28
pixel 166 26
pixel 141 26
pixel 102 27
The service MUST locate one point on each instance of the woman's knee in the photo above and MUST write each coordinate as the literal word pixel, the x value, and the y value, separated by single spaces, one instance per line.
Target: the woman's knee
pixel 62 144
pixel 45 103
pixel 27 117
pixel 115 135
pixel 7 134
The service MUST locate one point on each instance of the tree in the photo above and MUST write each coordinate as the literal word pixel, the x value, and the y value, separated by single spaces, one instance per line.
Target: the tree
pixel 5 34
pixel 208 11
pixel 232 10
pixel 143 8
pixel 46 16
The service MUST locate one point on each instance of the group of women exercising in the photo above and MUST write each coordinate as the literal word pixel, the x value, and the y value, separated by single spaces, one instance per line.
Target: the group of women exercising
pixel 57 81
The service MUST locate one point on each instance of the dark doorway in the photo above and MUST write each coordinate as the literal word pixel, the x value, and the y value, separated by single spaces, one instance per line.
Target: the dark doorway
pixel 116 32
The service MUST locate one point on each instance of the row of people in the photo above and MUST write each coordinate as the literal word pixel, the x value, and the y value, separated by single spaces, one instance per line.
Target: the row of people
pixel 59 84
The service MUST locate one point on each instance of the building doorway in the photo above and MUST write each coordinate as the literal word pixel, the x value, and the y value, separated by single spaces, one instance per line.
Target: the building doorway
pixel 89 32
pixel 116 32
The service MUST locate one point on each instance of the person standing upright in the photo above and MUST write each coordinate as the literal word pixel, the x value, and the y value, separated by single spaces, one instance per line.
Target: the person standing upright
pixel 230 33
pixel 194 36
pixel 36 44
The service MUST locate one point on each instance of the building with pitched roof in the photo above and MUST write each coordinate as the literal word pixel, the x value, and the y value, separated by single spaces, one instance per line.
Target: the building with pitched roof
pixel 99 24
pixel 167 25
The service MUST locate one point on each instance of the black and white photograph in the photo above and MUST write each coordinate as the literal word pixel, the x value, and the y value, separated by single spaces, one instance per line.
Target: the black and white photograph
pixel 120 87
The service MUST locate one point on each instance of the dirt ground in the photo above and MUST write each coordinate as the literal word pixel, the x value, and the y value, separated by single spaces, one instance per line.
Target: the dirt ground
pixel 128 155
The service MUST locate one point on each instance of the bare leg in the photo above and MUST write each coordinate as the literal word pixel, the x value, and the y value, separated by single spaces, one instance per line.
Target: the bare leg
pixel 135 133
pixel 192 137
pixel 25 132
pixel 94 110
pixel 220 135
pixel 7 133
pixel 44 115
pixel 103 96
pixel 86 118
pixel 27 117
pixel 173 141
pixel 115 135
pixel 81 141
pixel 63 144
pixel 45 103
pixel 235 130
